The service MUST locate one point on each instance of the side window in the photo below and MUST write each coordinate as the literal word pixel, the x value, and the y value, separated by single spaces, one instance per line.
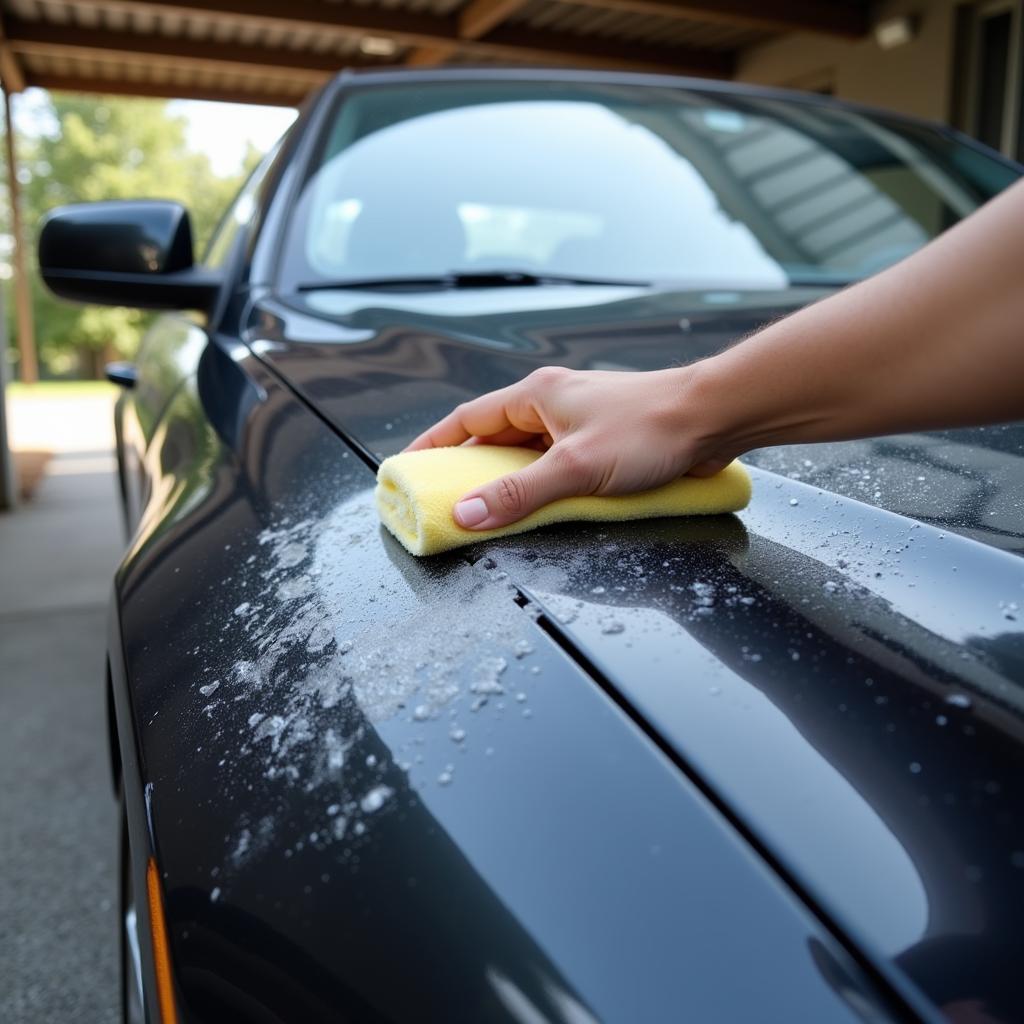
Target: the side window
pixel 239 213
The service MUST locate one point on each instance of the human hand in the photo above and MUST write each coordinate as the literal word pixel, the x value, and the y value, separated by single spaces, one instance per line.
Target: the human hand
pixel 601 432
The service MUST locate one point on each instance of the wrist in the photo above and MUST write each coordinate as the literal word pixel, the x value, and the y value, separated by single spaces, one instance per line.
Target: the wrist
pixel 705 414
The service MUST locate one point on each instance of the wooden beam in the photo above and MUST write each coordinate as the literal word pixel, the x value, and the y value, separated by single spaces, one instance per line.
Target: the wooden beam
pixel 428 56
pixel 36 38
pixel 28 367
pixel 847 19
pixel 10 70
pixel 163 90
pixel 478 17
pixel 516 43
pixel 415 29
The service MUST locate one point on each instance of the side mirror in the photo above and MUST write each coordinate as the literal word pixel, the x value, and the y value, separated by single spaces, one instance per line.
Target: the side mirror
pixel 125 253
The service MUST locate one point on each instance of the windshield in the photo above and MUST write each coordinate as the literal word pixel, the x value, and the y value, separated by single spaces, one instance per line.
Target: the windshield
pixel 616 181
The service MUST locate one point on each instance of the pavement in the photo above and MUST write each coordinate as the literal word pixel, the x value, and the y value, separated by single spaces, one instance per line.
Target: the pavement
pixel 59 929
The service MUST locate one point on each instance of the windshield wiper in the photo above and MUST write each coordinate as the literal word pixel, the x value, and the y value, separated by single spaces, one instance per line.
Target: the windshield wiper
pixel 470 279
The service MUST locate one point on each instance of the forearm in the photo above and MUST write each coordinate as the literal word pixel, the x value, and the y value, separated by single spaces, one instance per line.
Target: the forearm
pixel 936 341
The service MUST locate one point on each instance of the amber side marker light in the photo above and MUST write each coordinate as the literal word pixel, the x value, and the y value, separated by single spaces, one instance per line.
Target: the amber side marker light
pixel 161 948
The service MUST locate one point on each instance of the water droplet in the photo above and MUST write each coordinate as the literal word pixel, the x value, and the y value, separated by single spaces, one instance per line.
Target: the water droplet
pixel 215 894
pixel 421 713
pixel 941 719
pixel 597 590
pixel 243 608
pixel 457 734
pixel 915 768
pixel 375 799
pixel 959 700
pixel 520 696
pixel 371 761
pixel 793 501
pixel 209 688
pixel 715 691
pixel 612 626
pixel 445 778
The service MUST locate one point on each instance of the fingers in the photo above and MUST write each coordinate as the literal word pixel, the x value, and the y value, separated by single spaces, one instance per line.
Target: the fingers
pixel 558 473
pixel 486 415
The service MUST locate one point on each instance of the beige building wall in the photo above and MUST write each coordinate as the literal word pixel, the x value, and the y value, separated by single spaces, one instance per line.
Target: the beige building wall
pixel 915 78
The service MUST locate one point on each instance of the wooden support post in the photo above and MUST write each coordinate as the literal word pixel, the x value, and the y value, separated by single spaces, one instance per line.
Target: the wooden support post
pixel 8 479
pixel 29 368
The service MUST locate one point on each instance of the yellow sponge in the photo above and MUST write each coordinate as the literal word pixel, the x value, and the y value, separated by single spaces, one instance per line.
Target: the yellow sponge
pixel 416 492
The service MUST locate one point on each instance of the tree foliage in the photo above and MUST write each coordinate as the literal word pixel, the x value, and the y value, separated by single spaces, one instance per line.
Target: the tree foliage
pixel 109 148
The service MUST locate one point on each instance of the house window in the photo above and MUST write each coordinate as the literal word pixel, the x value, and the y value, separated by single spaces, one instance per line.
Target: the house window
pixel 995 84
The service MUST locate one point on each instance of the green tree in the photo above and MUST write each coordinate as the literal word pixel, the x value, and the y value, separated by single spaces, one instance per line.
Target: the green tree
pixel 110 148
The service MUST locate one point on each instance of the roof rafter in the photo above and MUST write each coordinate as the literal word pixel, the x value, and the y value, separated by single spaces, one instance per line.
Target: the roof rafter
pixel 37 38
pixel 428 56
pixel 846 18
pixel 416 29
pixel 162 90
pixel 478 17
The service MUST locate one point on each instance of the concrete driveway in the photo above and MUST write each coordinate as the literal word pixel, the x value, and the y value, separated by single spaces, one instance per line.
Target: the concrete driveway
pixel 58 820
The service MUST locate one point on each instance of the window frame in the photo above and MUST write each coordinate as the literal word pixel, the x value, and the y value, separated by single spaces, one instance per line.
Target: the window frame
pixel 1011 136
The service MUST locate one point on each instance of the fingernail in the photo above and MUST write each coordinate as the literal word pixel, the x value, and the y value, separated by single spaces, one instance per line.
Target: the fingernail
pixel 470 512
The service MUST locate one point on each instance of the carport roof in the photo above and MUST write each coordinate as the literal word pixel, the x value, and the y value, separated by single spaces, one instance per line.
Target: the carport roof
pixel 268 51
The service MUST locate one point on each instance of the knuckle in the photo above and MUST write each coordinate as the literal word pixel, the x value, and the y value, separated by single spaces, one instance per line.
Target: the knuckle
pixel 548 375
pixel 512 495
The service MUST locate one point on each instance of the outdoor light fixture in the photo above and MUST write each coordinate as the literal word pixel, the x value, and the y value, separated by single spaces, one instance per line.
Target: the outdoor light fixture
pixel 895 32
pixel 378 46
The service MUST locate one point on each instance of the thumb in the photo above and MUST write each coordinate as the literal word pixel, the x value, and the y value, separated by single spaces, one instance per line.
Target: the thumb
pixel 558 473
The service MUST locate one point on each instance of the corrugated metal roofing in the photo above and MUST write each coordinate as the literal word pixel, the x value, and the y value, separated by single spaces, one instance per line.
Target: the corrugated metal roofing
pixel 278 51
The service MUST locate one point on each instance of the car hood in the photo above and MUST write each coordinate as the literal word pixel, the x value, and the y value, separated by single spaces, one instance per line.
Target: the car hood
pixel 840 665
pixel 383 367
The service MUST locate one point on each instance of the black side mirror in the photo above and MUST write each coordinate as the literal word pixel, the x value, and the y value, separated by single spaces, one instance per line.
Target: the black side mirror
pixel 125 253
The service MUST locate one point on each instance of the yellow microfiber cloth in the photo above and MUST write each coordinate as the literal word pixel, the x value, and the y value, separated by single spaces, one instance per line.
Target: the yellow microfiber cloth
pixel 416 492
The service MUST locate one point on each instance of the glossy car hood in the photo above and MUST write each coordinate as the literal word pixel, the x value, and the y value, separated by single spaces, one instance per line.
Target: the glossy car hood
pixel 841 663
pixel 382 367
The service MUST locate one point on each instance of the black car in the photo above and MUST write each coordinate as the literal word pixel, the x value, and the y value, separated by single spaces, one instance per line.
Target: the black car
pixel 763 767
